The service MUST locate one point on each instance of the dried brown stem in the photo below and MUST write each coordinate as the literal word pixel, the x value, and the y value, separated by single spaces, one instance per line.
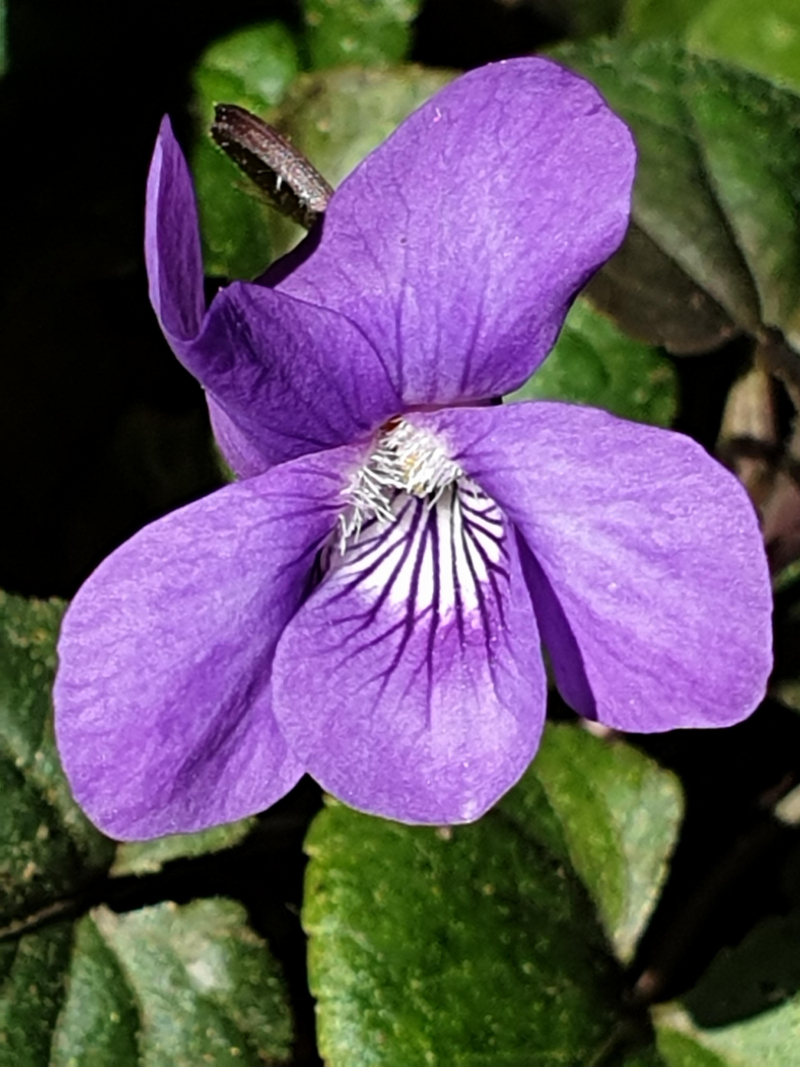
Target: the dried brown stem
pixel 293 186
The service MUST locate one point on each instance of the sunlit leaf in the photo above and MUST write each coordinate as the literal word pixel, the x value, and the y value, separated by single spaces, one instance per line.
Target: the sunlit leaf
pixel 618 815
pixel 763 37
pixel 478 944
pixel 768 1039
pixel 460 946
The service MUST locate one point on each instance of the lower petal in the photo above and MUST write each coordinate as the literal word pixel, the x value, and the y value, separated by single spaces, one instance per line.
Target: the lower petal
pixel 411 683
pixel 163 703
pixel 644 559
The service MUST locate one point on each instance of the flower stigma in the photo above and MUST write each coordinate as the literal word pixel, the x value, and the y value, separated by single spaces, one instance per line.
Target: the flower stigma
pixel 407 459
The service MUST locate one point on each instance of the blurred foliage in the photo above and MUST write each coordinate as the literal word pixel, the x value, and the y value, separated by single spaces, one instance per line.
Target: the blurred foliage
pixel 594 363
pixel 718 179
pixel 763 37
pixel 358 32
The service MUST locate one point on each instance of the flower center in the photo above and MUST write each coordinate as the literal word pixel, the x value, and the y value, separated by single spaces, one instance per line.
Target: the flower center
pixel 407 459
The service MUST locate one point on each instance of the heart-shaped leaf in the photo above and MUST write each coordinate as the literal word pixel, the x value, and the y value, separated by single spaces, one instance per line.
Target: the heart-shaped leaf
pixel 151 988
pixel 718 184
pixel 477 944
pixel 619 814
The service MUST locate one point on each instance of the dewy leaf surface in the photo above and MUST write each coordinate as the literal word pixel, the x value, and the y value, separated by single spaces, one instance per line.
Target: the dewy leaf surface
pixel 717 187
pixel 358 32
pixel 471 945
pixel 48 849
pixel 595 363
pixel 165 986
pixel 618 816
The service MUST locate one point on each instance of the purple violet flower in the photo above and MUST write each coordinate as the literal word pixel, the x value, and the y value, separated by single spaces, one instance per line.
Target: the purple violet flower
pixel 366 604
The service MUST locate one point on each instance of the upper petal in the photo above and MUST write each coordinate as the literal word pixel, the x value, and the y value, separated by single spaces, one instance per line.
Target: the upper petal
pixel 163 705
pixel 458 244
pixel 284 377
pixel 172 242
pixel 644 559
pixel 411 683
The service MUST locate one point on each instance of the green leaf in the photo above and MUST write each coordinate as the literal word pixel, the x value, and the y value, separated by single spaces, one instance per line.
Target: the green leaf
pixel 655 18
pixel 48 849
pixel 466 946
pixel 358 32
pixel 718 182
pixel 763 37
pixel 32 989
pixel 618 816
pixel 337 117
pixel 756 975
pixel 148 857
pixel 595 363
pixel 475 944
pixel 251 68
pixel 768 1039
pixel 581 18
pixel 165 986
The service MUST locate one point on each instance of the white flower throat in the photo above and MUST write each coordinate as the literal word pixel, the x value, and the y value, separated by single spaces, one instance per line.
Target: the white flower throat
pixel 418 536
pixel 407 459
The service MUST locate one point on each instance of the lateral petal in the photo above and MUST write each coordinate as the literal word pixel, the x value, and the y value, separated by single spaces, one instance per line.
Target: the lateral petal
pixel 411 683
pixel 163 702
pixel 291 377
pixel 644 560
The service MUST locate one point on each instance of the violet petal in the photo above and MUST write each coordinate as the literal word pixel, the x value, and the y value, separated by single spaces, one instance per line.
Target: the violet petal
pixel 411 683
pixel 172 242
pixel 163 704
pixel 289 377
pixel 293 378
pixel 645 560
pixel 458 244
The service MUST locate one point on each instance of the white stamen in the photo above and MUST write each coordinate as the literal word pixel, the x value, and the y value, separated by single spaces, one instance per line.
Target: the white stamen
pixel 408 459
